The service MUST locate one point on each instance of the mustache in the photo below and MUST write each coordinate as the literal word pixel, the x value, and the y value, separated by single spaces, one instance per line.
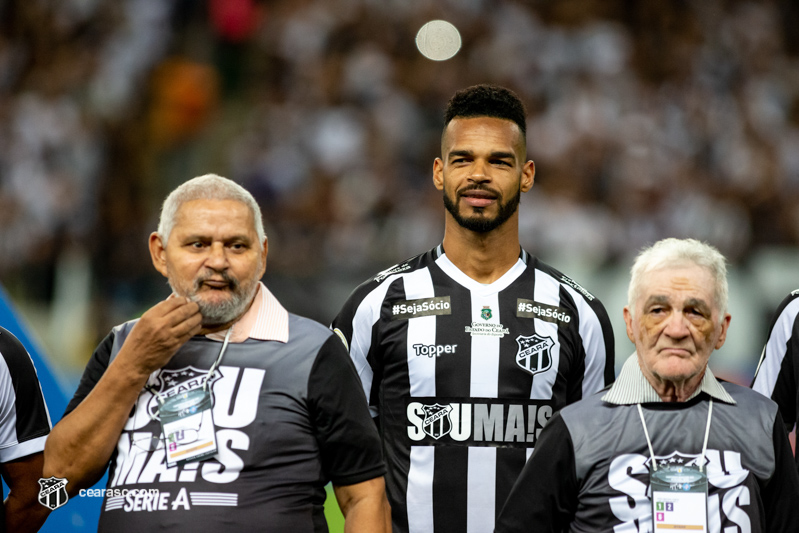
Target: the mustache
pixel 227 278
pixel 478 187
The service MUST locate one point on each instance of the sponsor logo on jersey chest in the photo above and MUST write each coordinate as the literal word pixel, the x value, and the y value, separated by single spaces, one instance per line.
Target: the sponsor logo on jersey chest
pixel 433 350
pixel 547 313
pixel 534 354
pixel 406 309
pixel 487 330
pixel 475 421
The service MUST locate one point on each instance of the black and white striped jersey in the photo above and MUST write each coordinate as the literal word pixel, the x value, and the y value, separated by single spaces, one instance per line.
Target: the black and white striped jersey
pixel 24 420
pixel 778 371
pixel 464 375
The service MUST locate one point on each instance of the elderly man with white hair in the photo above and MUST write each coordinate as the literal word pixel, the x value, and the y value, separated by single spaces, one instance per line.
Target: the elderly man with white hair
pixel 667 446
pixel 218 410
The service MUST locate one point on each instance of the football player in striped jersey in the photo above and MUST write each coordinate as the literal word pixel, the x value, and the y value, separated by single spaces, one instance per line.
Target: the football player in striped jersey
pixel 466 350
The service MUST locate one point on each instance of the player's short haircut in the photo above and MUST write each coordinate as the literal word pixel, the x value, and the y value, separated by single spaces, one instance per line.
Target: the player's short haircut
pixel 677 253
pixel 487 101
pixel 207 187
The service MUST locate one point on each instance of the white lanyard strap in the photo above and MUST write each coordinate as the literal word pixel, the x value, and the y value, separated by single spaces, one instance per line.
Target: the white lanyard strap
pixel 707 434
pixel 704 444
pixel 211 371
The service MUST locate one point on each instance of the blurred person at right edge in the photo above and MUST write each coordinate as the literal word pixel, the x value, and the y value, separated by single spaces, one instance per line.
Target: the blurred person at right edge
pixel 467 350
pixel 668 446
pixel 778 370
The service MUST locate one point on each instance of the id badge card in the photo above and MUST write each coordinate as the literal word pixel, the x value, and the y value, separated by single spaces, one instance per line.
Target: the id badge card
pixel 679 499
pixel 188 427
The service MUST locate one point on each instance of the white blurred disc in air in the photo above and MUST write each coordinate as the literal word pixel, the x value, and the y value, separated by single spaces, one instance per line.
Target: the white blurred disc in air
pixel 438 40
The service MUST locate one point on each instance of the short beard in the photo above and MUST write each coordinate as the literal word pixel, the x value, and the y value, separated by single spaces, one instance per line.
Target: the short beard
pixel 482 224
pixel 215 314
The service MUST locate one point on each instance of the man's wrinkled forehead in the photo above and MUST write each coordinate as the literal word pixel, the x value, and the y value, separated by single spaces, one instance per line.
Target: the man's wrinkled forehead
pixel 685 285
pixel 698 301
pixel 198 217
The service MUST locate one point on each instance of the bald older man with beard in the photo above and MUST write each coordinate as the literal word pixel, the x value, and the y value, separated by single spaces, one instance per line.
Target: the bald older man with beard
pixel 218 410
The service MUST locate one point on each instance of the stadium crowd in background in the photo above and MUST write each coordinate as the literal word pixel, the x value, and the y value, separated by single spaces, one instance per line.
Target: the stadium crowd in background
pixel 646 119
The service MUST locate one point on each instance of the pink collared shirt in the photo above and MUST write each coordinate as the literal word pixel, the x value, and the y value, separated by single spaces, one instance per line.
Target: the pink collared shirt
pixel 265 320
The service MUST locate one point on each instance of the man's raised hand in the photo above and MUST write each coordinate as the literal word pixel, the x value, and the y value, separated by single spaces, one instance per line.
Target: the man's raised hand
pixel 159 333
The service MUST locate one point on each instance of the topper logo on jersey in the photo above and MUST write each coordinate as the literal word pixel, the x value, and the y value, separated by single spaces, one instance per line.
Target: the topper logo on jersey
pixel 175 381
pixel 433 350
pixel 436 420
pixel 728 503
pixel 533 355
pixel 466 422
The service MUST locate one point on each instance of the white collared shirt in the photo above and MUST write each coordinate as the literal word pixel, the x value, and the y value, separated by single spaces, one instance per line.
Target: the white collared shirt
pixel 632 387
pixel 265 320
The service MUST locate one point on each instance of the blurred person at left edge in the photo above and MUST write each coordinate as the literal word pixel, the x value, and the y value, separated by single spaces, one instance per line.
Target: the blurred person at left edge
pixel 218 410
pixel 24 426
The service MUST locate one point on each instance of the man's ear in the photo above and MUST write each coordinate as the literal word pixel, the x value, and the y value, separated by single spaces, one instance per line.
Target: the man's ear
pixel 438 173
pixel 264 253
pixel 528 176
pixel 725 325
pixel 158 253
pixel 628 320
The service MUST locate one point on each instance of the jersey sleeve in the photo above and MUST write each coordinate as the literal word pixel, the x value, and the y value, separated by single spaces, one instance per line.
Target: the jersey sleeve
pixel 781 493
pixel 595 346
pixel 544 497
pixel 348 440
pixel 600 365
pixel 776 375
pixel 24 420
pixel 94 370
pixel 355 325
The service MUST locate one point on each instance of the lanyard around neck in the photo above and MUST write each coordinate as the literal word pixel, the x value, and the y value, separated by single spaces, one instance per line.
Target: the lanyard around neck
pixel 704 444
pixel 211 371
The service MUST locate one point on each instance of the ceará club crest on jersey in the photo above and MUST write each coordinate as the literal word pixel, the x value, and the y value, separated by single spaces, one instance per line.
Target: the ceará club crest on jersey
pixel 436 420
pixel 534 353
pixel 172 381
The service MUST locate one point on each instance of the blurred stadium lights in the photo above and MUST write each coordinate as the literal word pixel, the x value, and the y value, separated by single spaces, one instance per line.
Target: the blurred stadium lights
pixel 438 40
